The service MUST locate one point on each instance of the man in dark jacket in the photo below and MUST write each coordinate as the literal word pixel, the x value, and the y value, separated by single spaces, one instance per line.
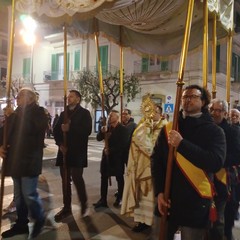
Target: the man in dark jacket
pixel 75 127
pixel 235 120
pixel 130 125
pixel 112 163
pixel 200 145
pixel 226 204
pixel 26 128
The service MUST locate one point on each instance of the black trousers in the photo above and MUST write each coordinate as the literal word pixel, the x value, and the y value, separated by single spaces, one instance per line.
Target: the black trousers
pixel 104 186
pixel 76 175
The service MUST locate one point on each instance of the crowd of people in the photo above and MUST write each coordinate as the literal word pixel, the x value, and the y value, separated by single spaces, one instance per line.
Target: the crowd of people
pixel 205 172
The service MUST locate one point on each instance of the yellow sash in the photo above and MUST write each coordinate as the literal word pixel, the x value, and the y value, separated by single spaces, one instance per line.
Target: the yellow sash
pixel 196 176
pixel 221 175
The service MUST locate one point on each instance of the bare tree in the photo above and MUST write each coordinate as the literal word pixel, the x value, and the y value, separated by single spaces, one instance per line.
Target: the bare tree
pixel 88 85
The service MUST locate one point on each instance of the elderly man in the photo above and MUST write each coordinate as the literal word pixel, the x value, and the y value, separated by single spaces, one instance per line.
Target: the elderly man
pixel 112 163
pixel 234 116
pixel 224 186
pixel 23 157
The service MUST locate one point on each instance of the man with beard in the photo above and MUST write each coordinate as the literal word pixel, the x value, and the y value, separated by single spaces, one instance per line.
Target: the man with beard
pixel 200 148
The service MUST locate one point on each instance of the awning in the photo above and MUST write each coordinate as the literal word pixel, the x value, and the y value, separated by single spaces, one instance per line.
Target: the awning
pixel 150 26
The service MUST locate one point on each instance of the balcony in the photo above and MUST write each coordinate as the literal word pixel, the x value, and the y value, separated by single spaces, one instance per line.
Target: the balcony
pixel 147 67
pixel 59 75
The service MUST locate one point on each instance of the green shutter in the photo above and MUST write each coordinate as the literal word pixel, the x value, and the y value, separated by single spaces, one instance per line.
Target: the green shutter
pixel 145 61
pixel 104 58
pixel 54 67
pixel 26 67
pixel 234 64
pixel 77 60
pixel 103 50
pixel 164 65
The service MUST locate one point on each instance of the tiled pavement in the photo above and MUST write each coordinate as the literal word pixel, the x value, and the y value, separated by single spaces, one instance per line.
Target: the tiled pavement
pixel 107 224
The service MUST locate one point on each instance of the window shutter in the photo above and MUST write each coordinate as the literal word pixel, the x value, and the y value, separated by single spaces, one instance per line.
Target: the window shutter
pixel 104 58
pixel 54 67
pixel 77 60
pixel 26 68
pixel 145 61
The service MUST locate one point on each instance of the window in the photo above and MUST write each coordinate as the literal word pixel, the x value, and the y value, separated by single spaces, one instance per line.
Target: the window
pixel 77 60
pixel 103 50
pixel 235 71
pixel 3 47
pixel 26 68
pixel 145 61
pixel 153 64
pixel 57 67
pixel 152 61
pixel 164 65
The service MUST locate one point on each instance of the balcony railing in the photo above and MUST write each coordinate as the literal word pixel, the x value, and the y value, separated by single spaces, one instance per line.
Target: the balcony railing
pixel 140 67
pixel 58 75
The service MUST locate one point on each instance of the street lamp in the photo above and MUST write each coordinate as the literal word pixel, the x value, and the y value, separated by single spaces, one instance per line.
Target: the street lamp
pixel 29 37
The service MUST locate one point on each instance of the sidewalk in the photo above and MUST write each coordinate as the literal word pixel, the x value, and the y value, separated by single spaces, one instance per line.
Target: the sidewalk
pixel 50 153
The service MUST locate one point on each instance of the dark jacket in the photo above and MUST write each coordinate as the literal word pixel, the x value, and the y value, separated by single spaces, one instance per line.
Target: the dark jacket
pixel 77 137
pixel 113 164
pixel 204 146
pixel 232 133
pixel 26 132
pixel 130 126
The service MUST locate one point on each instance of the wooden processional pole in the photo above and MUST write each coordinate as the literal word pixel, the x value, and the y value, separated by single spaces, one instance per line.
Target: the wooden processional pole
pixel 205 43
pixel 214 56
pixel 8 88
pixel 121 75
pixel 180 83
pixel 65 116
pixel 102 94
pixel 229 64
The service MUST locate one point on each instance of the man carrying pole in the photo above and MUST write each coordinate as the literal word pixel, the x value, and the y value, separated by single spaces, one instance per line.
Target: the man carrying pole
pixel 200 150
pixel 24 152
pixel 100 76
pixel 77 129
pixel 71 135
pixel 9 82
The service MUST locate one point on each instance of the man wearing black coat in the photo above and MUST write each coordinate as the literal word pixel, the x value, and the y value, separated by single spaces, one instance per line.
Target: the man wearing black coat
pixel 200 145
pixel 26 128
pixel 76 125
pixel 225 198
pixel 112 163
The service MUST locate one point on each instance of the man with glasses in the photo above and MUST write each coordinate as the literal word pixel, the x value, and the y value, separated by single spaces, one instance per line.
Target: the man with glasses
pixel 235 117
pixel 130 125
pixel 200 148
pixel 225 180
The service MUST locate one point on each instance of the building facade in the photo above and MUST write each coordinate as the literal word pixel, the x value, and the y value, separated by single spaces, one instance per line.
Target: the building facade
pixel 41 66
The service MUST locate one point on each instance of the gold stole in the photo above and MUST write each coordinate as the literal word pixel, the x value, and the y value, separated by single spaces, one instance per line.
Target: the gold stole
pixel 221 176
pixel 196 176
